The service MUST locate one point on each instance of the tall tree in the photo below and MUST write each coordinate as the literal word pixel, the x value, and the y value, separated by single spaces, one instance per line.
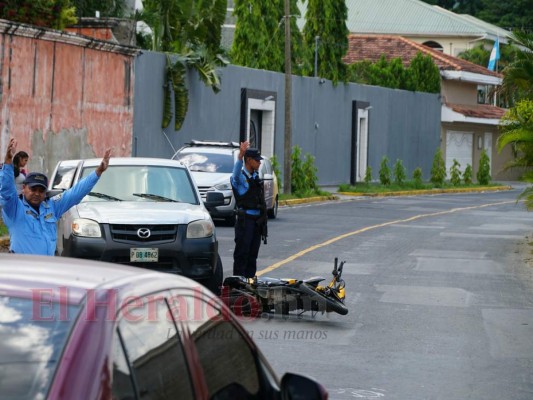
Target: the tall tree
pixel 327 20
pixel 518 74
pixel 259 40
pixel 191 30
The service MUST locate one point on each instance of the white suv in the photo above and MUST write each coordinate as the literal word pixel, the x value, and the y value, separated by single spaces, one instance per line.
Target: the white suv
pixel 144 212
pixel 211 165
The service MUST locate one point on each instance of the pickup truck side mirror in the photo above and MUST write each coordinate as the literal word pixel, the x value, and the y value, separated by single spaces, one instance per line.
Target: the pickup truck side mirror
pixel 296 387
pixel 214 199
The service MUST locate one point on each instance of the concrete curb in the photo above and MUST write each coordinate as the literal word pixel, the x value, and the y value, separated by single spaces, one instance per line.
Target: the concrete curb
pixel 430 191
pixel 291 202
pixel 335 196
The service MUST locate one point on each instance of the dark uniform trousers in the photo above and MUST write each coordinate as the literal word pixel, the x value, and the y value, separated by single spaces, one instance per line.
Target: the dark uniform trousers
pixel 247 243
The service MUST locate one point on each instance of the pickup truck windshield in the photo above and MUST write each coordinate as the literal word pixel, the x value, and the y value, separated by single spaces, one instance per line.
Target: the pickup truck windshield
pixel 126 182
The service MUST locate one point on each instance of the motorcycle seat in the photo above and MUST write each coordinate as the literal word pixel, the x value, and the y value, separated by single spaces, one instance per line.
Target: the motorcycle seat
pixel 314 280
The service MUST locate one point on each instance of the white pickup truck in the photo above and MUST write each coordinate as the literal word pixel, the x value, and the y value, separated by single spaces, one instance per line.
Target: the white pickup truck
pixel 144 212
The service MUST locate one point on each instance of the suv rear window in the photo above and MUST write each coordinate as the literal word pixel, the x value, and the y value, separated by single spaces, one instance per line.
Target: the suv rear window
pixel 143 183
pixel 207 162
pixel 30 346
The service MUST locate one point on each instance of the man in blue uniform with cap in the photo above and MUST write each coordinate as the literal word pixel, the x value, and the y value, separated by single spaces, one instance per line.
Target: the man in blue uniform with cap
pixel 32 217
pixel 251 211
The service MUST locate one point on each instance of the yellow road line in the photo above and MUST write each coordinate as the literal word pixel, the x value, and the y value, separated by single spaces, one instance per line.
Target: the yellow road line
pixel 368 228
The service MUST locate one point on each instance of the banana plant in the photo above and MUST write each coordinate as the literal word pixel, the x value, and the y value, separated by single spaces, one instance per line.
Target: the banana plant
pixel 189 31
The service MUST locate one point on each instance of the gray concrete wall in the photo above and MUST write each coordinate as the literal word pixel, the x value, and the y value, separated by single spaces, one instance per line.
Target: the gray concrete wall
pixel 402 124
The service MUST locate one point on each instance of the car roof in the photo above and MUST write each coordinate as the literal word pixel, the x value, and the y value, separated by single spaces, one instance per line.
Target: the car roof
pixel 93 162
pixel 23 274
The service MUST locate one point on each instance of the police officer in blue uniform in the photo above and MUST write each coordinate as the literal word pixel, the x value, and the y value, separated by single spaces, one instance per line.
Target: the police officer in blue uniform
pixel 32 217
pixel 251 223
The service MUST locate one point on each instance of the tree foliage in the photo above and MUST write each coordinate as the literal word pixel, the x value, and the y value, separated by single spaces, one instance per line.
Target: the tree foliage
pixel 518 74
pixel 259 40
pixel 509 14
pixel 422 75
pixel 56 14
pixel 106 8
pixel 327 20
pixel 517 130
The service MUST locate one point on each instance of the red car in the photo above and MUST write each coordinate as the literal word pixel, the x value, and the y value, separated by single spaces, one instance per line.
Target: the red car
pixel 72 329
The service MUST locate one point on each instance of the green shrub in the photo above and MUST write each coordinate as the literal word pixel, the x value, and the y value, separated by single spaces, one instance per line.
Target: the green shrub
pixel 467 175
pixel 399 172
pixel 310 173
pixel 368 175
pixel 438 169
pixel 384 171
pixel 417 178
pixel 455 173
pixel 297 172
pixel 483 173
pixel 304 180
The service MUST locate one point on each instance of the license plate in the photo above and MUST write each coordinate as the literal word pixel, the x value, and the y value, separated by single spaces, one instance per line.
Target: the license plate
pixel 144 255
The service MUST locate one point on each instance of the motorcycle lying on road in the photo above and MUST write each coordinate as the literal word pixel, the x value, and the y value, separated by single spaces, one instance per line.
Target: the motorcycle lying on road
pixel 253 297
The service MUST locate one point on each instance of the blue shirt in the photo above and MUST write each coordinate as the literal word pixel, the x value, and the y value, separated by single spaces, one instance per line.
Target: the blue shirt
pixel 239 182
pixel 31 232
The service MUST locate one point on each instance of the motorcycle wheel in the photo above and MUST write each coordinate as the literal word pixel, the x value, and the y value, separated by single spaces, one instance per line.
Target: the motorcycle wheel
pixel 331 303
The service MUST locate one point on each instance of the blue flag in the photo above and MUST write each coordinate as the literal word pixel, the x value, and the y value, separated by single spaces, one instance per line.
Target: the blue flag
pixel 494 55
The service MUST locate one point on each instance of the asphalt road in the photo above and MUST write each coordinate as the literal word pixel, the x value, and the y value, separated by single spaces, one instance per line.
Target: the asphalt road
pixel 440 297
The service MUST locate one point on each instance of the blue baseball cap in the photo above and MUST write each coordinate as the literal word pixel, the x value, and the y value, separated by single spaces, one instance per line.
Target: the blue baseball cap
pixel 36 179
pixel 253 153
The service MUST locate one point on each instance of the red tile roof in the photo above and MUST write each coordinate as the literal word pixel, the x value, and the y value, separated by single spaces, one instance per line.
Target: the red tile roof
pixel 371 47
pixel 477 110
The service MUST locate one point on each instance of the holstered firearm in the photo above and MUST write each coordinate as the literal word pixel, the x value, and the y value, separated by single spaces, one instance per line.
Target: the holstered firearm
pixel 262 223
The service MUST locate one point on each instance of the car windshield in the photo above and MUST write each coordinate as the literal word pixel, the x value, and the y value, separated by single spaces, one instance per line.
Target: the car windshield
pixel 207 162
pixel 142 183
pixel 31 341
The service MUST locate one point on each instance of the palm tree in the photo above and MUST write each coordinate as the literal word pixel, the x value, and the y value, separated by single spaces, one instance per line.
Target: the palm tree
pixel 518 75
pixel 189 31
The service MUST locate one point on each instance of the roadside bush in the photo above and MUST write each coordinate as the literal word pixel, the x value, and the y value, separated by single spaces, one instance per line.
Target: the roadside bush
pixel 483 173
pixel 368 175
pixel 310 171
pixel 455 173
pixel 417 178
pixel 438 169
pixel 384 171
pixel 467 175
pixel 399 172
pixel 304 180
pixel 297 172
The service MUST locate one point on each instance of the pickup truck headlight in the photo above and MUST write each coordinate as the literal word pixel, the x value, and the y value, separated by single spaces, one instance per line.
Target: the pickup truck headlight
pixel 86 228
pixel 223 186
pixel 200 229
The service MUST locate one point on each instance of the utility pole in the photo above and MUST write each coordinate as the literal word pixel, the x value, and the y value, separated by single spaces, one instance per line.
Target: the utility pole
pixel 287 143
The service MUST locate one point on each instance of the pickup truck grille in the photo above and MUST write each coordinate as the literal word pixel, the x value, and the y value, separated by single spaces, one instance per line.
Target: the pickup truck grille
pixel 203 191
pixel 143 233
